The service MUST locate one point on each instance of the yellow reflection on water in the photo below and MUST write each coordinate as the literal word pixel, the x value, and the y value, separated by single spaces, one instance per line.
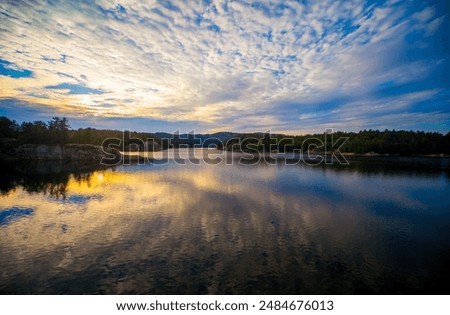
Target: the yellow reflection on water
pixel 223 215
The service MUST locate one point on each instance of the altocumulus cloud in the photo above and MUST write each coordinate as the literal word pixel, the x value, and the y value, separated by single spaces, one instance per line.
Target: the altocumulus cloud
pixel 292 66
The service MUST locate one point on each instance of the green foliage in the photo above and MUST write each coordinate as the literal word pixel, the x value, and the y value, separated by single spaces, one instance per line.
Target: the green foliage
pixel 104 137
pixel 8 128
pixel 382 142
pixel 396 142
pixel 57 131
pixel 33 132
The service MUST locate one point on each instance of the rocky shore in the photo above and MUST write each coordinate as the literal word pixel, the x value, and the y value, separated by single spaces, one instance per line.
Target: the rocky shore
pixel 63 152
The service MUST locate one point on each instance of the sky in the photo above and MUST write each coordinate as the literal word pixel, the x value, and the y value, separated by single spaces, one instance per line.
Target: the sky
pixel 288 66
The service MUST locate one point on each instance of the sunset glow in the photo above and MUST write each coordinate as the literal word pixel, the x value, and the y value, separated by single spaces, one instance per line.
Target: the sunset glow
pixel 227 65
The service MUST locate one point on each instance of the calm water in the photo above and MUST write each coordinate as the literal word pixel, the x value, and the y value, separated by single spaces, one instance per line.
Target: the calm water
pixel 380 225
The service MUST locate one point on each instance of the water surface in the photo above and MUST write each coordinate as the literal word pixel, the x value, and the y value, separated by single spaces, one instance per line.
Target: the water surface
pixel 377 226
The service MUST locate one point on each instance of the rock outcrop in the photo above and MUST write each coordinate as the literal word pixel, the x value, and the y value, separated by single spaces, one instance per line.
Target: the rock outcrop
pixel 66 152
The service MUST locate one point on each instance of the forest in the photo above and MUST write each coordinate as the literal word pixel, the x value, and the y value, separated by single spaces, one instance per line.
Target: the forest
pixel 396 142
pixel 58 131
pixel 390 142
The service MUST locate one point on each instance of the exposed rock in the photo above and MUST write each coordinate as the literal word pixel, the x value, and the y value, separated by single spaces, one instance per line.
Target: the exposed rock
pixel 43 152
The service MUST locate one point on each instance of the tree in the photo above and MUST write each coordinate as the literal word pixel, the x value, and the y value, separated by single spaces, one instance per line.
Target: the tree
pixel 59 130
pixel 34 132
pixel 8 128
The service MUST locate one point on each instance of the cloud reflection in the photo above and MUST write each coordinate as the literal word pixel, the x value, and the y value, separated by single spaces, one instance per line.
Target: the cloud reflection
pixel 203 229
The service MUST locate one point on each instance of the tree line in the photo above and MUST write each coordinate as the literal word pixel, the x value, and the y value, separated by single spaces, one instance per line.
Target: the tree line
pixel 58 131
pixel 365 141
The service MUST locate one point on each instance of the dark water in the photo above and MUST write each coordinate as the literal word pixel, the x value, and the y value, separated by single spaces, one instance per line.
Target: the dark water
pixel 380 225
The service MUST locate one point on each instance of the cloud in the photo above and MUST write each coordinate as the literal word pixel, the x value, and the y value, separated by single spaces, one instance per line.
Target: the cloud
pixel 11 70
pixel 218 64
pixel 74 89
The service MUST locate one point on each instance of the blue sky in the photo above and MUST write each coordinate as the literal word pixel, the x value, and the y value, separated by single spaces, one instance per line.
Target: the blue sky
pixel 288 66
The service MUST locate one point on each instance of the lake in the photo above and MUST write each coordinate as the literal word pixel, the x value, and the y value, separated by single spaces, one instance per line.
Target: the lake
pixel 380 225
